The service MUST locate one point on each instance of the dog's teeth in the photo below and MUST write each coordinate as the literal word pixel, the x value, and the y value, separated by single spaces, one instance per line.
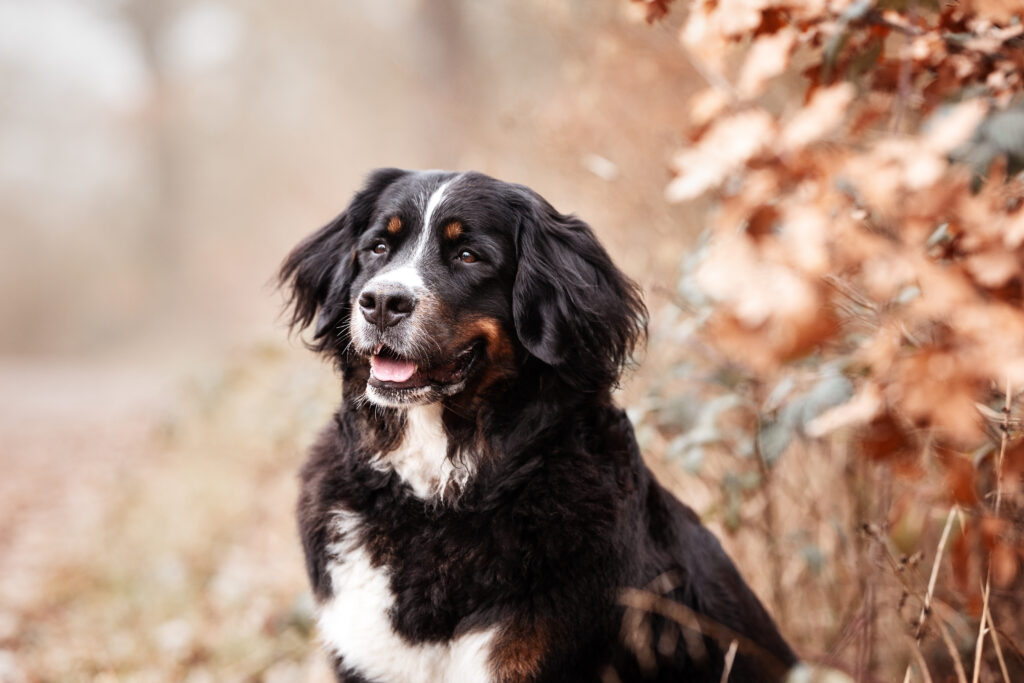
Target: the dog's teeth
pixel 377 350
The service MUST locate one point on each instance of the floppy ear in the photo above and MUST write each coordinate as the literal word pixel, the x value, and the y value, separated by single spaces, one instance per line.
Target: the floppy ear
pixel 320 270
pixel 573 309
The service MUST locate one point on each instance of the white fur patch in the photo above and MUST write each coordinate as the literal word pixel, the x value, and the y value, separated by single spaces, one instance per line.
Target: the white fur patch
pixel 408 272
pixel 354 624
pixel 421 460
pixel 406 275
pixel 428 214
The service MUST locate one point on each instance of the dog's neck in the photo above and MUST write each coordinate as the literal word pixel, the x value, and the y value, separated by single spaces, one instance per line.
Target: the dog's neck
pixel 439 449
pixel 425 457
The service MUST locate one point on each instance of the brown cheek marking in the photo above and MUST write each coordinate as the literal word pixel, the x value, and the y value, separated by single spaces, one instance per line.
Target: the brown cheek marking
pixel 518 653
pixel 500 352
pixel 453 230
pixel 394 225
pixel 499 346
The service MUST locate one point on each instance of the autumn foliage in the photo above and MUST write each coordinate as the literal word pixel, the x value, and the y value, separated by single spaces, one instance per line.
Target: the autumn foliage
pixel 863 274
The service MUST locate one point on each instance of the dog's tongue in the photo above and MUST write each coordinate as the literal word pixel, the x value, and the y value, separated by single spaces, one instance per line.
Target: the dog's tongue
pixel 390 370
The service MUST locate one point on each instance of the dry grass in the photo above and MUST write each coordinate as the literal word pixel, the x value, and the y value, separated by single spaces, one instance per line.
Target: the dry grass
pixel 190 568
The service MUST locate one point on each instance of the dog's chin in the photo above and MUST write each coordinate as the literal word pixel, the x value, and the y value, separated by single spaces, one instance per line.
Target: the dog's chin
pixel 400 382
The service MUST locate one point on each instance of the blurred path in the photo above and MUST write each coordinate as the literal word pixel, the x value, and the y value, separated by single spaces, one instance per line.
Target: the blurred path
pixel 67 434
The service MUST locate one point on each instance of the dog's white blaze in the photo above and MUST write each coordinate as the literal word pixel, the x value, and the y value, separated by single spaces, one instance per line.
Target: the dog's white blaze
pixel 428 213
pixel 408 272
pixel 406 275
pixel 354 624
pixel 422 459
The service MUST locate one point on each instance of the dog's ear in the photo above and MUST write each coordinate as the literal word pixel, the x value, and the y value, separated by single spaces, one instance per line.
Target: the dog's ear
pixel 573 309
pixel 319 272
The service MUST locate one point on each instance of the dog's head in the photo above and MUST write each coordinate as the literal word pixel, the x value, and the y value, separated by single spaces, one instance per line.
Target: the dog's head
pixel 437 284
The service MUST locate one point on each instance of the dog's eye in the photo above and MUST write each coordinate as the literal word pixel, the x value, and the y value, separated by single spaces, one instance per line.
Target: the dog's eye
pixel 466 256
pixel 380 247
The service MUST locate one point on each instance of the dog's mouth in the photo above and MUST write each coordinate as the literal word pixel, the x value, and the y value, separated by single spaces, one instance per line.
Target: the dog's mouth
pixel 391 371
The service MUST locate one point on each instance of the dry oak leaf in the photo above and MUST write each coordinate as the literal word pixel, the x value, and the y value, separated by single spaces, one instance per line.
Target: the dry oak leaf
pixel 653 10
pixel 736 274
pixel 725 148
pixel 780 339
pixel 767 58
pixel 883 438
pixel 997 11
pixel 821 116
pixel 991 40
pixel 710 21
pixel 702 37
pixel 993 333
pixel 712 25
pixel 706 105
pixel 993 268
pixel 891 168
pixel 768 313
pixel 933 388
pixel 1013 236
pixel 1005 564
pixel 954 126
pixel 805 237
pixel 960 478
pixel 885 275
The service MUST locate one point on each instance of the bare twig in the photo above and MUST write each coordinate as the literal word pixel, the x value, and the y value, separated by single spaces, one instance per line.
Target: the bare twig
pixel 898 566
pixel 982 629
pixel 1002 444
pixel 730 656
pixel 688 619
pixel 986 625
pixel 921 663
pixel 1005 436
pixel 939 551
pixel 926 604
pixel 994 634
pixel 954 654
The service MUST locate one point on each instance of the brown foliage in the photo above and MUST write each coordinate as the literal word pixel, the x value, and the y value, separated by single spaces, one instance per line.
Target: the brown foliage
pixel 873 223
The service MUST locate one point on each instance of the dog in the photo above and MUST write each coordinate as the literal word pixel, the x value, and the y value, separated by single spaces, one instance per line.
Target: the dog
pixel 478 509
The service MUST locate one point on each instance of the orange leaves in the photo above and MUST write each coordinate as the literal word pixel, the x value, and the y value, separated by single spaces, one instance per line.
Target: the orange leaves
pixel 711 25
pixel 770 303
pixel 823 114
pixel 768 58
pixel 869 223
pixel 653 10
pixel 921 273
pixel 993 268
pixel 954 127
pixel 724 149
pixel 999 11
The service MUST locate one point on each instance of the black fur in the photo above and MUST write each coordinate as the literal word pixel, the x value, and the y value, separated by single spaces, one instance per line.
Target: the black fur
pixel 561 514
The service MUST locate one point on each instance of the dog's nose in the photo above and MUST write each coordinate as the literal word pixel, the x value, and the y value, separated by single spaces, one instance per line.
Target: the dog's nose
pixel 386 306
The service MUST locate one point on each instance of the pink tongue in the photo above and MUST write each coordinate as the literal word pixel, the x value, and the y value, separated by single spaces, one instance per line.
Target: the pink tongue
pixel 388 370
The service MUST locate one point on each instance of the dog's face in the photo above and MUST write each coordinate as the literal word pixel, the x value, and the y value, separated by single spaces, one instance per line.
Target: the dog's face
pixel 431 303
pixel 433 285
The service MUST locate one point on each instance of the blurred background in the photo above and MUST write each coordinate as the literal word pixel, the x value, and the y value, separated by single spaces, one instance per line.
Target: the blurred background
pixel 158 158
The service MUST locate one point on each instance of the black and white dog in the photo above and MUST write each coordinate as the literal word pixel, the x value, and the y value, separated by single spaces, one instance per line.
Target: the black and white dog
pixel 478 509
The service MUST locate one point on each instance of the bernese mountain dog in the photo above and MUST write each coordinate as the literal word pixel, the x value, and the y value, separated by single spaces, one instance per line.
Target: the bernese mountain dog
pixel 478 509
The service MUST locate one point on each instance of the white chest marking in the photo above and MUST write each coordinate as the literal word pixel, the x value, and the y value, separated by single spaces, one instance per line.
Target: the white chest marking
pixel 422 459
pixel 355 625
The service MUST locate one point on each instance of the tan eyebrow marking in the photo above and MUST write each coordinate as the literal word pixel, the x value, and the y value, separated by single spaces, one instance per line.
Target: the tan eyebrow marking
pixel 394 225
pixel 453 230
